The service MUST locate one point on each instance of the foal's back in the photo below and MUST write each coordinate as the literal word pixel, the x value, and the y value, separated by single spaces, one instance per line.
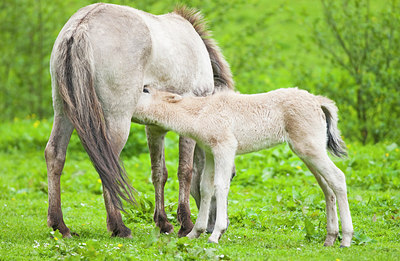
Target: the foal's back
pixel 261 121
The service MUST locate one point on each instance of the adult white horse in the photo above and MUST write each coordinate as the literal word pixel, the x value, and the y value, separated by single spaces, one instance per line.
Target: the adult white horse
pixel 101 60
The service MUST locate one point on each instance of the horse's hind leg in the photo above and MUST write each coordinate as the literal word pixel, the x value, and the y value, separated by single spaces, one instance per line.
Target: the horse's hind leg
pixel 186 149
pixel 118 131
pixel 159 175
pixel 55 158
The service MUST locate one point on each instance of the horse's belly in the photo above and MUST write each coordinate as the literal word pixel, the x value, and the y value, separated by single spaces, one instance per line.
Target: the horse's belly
pixel 179 75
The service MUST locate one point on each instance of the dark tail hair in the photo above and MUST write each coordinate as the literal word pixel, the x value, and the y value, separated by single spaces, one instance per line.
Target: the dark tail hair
pixel 335 143
pixel 75 80
pixel 222 73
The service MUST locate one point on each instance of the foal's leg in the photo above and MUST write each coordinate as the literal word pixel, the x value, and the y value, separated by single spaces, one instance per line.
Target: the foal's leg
pixel 159 175
pixel 206 192
pixel 337 182
pixel 331 214
pixel 316 157
pixel 186 149
pixel 198 168
pixel 118 132
pixel 224 159
pixel 55 158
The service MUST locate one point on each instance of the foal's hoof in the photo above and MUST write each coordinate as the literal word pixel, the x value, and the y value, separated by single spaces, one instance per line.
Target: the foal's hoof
pixel 192 235
pixel 213 240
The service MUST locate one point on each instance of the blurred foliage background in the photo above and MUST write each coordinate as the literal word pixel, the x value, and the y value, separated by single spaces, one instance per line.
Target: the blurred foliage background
pixel 348 50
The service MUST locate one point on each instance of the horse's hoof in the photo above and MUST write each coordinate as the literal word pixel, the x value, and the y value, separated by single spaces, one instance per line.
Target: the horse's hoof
pixel 167 229
pixel 75 234
pixel 67 235
pixel 123 232
pixel 184 231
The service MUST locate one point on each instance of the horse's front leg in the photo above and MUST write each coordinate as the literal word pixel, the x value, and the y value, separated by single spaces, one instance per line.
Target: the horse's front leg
pixel 186 149
pixel 55 153
pixel 159 175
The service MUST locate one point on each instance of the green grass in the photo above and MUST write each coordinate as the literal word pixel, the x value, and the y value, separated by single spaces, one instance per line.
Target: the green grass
pixel 276 208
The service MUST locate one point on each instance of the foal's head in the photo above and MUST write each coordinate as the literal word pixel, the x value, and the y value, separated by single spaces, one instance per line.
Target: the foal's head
pixel 154 97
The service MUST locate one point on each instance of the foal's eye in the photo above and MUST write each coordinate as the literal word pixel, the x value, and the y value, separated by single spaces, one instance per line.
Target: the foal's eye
pixel 145 90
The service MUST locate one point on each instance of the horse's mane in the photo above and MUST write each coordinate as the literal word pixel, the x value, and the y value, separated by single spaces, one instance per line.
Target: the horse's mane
pixel 222 73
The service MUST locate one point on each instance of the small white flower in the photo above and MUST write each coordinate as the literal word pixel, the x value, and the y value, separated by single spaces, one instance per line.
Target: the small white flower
pixel 36 245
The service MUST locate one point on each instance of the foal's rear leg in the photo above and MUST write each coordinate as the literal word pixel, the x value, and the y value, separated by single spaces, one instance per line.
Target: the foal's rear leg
pixel 159 175
pixel 118 132
pixel 315 156
pixel 332 225
pixel 55 158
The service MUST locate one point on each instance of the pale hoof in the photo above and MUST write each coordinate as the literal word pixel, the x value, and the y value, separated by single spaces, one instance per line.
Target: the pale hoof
pixel 192 235
pixel 212 240
pixel 346 241
pixel 330 240
pixel 68 235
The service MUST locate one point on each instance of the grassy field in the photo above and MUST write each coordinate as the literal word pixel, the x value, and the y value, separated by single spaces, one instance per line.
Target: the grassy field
pixel 276 208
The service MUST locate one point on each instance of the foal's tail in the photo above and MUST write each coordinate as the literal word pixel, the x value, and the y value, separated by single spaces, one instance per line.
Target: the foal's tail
pixel 74 72
pixel 335 143
pixel 223 79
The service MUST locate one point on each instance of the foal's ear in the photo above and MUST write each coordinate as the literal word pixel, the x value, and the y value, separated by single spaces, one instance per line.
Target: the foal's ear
pixel 172 98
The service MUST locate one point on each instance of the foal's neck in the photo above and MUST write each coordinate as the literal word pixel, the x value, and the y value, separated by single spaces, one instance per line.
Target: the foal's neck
pixel 179 116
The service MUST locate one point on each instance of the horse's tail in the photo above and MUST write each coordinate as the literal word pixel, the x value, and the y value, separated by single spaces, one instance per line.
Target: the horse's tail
pixel 74 71
pixel 222 73
pixel 335 143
